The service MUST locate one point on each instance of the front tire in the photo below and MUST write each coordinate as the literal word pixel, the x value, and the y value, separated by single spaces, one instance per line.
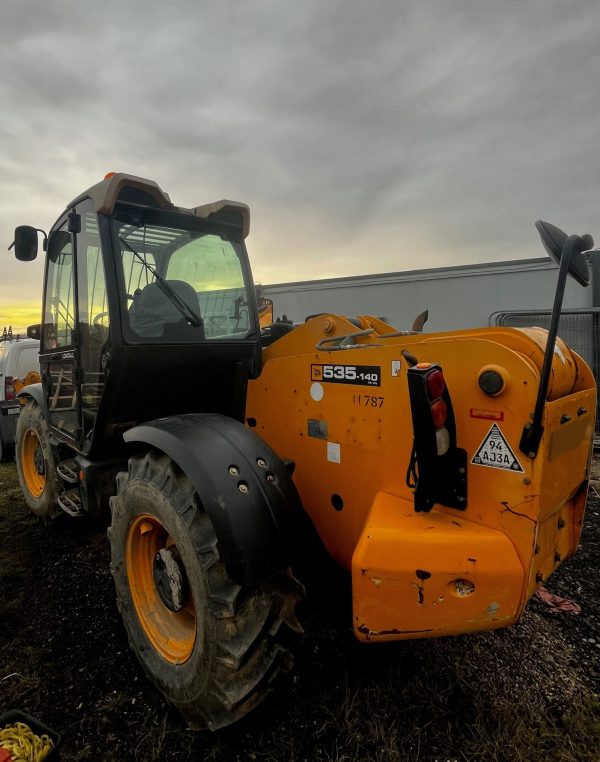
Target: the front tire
pixel 36 465
pixel 212 647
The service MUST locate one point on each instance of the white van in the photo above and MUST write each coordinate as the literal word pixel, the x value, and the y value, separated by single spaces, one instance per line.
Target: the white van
pixel 18 357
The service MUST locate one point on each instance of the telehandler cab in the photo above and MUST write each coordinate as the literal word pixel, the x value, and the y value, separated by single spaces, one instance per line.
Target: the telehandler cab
pixel 446 472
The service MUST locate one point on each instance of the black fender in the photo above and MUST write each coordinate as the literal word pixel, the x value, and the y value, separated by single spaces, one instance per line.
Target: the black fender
pixel 242 484
pixel 36 393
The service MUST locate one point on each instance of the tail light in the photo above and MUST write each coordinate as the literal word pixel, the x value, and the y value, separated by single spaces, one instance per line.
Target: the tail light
pixel 439 414
pixel 435 384
pixel 438 468
pixel 9 388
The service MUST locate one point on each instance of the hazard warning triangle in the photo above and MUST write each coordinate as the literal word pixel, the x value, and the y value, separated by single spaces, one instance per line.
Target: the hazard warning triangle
pixel 495 452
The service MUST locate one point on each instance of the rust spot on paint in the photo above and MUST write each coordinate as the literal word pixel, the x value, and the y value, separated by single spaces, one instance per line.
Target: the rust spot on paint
pixel 380 633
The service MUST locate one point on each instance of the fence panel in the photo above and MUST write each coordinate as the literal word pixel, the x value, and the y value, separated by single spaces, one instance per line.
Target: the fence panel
pixel 579 328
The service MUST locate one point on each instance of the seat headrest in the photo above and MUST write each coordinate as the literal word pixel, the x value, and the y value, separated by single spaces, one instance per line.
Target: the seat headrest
pixel 152 308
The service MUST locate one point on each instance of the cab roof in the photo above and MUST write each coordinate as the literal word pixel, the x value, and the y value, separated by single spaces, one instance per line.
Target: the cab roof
pixel 119 186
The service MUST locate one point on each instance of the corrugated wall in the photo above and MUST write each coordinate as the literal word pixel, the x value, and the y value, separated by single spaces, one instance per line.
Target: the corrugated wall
pixel 456 297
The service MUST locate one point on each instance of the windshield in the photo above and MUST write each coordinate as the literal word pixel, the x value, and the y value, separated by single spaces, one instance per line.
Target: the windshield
pixel 180 284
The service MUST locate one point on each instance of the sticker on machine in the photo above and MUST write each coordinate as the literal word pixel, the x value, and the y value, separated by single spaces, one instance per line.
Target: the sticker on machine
pixel 495 452
pixel 360 375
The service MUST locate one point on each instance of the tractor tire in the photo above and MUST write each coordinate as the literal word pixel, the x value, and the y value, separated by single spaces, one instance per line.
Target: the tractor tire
pixel 36 464
pixel 212 647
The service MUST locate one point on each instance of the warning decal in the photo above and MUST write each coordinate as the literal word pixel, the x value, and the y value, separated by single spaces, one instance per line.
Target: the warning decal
pixel 495 452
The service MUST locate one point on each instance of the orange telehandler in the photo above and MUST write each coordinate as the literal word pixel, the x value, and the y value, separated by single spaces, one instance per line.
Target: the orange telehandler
pixel 447 473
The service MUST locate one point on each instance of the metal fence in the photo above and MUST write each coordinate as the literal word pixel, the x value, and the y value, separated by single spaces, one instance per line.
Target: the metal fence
pixel 578 328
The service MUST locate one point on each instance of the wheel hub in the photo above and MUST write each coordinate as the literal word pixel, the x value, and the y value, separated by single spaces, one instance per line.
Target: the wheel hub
pixel 38 460
pixel 170 578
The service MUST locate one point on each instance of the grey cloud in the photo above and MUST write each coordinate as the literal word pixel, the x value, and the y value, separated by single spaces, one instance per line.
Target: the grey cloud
pixel 358 132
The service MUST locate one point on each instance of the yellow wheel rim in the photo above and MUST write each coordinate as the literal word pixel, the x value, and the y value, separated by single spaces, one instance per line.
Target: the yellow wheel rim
pixel 172 633
pixel 33 464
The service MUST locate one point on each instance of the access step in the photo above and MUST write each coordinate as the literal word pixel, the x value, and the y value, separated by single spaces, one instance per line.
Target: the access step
pixel 68 470
pixel 70 502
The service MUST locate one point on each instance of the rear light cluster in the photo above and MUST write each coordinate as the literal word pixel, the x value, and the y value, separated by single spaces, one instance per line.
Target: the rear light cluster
pixel 435 385
pixel 10 392
pixel 437 470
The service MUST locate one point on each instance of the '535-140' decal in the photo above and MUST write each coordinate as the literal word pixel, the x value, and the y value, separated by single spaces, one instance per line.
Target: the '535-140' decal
pixel 364 375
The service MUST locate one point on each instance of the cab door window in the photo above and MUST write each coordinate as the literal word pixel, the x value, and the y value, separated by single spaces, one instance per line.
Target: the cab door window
pixel 59 306
pixel 94 318
pixel 62 393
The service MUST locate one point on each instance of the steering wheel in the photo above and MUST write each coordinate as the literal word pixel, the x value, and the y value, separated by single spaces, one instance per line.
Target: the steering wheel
pixel 97 318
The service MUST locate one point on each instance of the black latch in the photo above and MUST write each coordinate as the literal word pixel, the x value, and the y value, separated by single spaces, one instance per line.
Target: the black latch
pixel 74 222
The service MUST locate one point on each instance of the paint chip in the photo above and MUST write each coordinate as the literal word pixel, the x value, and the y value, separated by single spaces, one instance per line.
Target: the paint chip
pixel 334 454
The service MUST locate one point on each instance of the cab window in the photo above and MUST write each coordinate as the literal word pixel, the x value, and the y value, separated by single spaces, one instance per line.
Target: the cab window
pixel 59 305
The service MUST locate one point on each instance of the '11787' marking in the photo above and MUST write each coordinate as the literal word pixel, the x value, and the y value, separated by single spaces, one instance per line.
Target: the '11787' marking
pixel 367 400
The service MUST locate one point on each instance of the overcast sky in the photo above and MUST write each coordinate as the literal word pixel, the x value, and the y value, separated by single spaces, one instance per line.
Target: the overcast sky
pixel 366 136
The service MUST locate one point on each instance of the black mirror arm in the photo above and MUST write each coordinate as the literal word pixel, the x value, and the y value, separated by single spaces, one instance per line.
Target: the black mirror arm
pixel 532 432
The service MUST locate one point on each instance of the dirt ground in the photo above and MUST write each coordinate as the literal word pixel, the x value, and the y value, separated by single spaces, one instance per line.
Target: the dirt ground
pixel 527 693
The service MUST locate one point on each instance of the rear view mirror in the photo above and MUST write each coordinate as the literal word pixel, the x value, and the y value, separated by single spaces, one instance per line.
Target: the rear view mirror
pixel 25 243
pixel 568 252
pixel 554 240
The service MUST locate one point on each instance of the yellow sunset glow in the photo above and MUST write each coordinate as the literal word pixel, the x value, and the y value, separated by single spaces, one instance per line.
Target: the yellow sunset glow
pixel 19 315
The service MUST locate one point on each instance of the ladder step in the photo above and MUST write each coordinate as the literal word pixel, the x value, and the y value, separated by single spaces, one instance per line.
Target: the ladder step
pixel 70 502
pixel 68 471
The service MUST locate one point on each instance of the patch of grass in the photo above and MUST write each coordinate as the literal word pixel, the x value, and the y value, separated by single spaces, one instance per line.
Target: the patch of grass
pixel 524 694
pixel 521 735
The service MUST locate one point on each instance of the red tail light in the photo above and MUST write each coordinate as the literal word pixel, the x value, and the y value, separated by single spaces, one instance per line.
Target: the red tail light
pixel 9 388
pixel 437 471
pixel 439 413
pixel 435 384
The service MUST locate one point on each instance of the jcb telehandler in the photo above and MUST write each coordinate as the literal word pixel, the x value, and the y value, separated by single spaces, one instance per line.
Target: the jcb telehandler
pixel 446 472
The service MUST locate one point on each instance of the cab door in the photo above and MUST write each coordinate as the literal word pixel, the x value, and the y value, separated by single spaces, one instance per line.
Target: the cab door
pixel 59 350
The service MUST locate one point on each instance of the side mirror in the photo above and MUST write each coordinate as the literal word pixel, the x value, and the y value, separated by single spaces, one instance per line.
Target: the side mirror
pixel 568 252
pixel 554 240
pixel 25 243
pixel 34 331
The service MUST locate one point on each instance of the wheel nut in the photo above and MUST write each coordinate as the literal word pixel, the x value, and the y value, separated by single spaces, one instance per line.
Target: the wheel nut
pixel 262 463
pixel 233 470
pixel 243 487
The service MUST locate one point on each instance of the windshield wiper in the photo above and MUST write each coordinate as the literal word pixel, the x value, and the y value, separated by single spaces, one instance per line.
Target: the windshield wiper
pixel 188 313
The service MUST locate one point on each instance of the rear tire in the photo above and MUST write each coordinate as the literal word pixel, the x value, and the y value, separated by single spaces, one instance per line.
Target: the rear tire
pixel 214 658
pixel 36 465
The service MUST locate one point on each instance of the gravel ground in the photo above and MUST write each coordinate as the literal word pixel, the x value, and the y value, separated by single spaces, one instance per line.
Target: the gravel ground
pixel 526 693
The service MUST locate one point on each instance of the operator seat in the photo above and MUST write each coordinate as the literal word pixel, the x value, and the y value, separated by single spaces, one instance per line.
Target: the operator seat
pixel 152 310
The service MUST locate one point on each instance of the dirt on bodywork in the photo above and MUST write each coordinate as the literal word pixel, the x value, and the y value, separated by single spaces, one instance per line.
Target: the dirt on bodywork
pixel 526 693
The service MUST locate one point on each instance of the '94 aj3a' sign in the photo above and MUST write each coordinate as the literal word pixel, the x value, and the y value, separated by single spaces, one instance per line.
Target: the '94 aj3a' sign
pixel 495 452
